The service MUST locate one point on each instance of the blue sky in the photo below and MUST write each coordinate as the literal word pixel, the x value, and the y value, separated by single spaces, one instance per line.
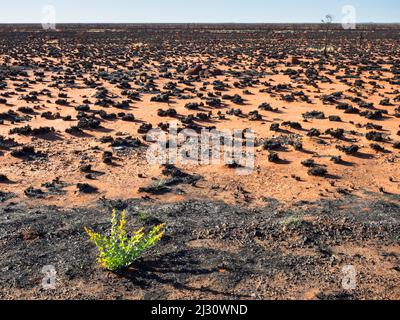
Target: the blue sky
pixel 139 11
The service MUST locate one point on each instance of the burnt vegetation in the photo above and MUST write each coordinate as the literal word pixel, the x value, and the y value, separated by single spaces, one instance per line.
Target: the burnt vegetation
pixel 77 105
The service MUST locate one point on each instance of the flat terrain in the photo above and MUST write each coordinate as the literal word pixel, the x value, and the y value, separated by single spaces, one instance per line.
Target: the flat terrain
pixel 211 251
pixel 76 104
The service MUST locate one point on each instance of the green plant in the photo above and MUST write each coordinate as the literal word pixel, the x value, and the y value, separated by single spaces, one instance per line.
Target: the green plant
pixel 144 216
pixel 117 250
pixel 159 185
pixel 294 220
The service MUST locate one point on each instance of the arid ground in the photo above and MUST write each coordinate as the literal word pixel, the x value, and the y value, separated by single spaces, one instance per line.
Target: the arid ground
pixel 75 107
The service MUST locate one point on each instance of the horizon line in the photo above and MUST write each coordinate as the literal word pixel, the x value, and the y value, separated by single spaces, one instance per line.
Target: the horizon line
pixel 209 23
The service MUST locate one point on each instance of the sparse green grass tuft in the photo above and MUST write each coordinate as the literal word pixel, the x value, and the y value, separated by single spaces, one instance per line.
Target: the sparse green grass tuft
pixel 294 220
pixel 144 216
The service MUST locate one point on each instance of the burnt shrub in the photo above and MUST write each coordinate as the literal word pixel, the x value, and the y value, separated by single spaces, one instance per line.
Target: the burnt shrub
pixel 350 150
pixel 375 136
pixel 318 171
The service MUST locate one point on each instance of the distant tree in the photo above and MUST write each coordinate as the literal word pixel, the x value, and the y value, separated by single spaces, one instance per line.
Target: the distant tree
pixel 327 22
